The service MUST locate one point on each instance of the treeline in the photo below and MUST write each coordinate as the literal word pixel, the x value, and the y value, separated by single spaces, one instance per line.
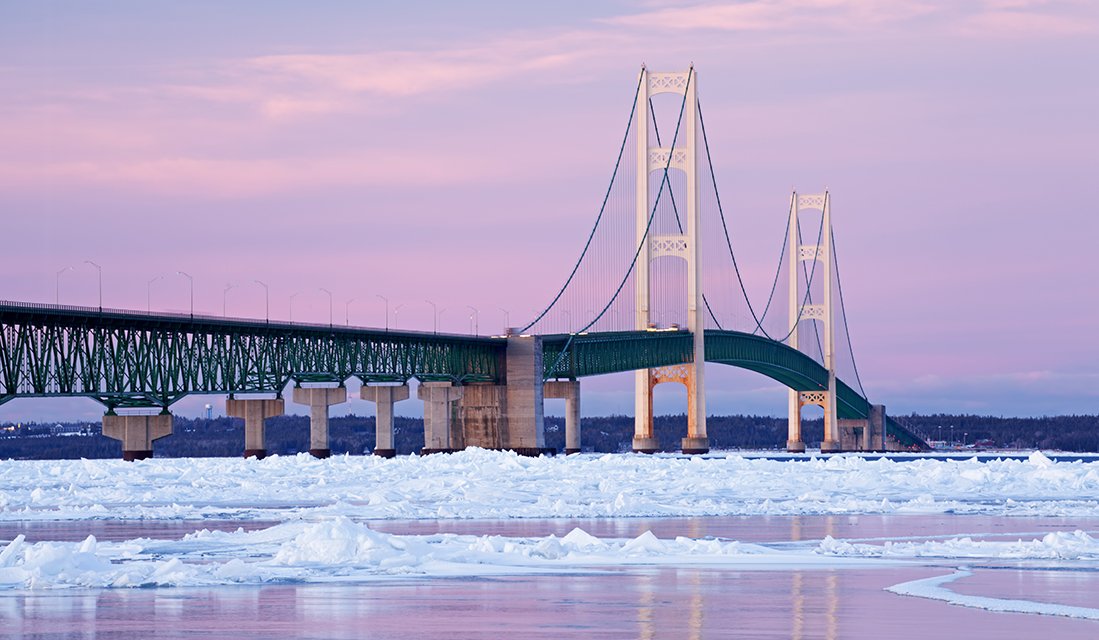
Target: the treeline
pixel 289 434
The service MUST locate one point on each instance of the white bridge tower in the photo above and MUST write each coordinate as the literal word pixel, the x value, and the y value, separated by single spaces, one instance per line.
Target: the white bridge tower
pixel 683 157
pixel 800 311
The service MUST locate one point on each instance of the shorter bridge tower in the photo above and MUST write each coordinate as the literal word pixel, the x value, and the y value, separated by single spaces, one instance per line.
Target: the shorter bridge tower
pixel 801 310
pixel 683 156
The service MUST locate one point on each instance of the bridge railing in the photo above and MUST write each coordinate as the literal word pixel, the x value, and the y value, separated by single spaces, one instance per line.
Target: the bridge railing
pixel 107 312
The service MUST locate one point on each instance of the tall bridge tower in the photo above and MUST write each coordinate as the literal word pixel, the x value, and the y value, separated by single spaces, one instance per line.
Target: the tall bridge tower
pixel 801 310
pixel 683 156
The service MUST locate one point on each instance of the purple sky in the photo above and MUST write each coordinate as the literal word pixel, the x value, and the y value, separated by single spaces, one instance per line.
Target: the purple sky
pixel 459 154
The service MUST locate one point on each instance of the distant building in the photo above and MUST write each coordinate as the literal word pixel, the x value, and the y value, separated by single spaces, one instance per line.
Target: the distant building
pixel 74 430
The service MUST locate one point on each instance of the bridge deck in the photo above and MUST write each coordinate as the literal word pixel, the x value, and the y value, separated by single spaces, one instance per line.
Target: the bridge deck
pixel 128 358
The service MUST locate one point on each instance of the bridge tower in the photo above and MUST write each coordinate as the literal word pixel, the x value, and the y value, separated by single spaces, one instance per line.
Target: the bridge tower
pixel 801 311
pixel 684 157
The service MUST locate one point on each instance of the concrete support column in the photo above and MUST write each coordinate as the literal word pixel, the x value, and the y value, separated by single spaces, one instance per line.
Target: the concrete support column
pixel 644 440
pixel 526 426
pixel 570 391
pixel 137 433
pixel 876 431
pixel 793 437
pixel 438 415
pixel 254 413
pixel 482 417
pixel 319 400
pixel 384 397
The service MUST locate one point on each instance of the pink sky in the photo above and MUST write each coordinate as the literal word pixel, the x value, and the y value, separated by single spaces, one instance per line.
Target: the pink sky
pixel 459 155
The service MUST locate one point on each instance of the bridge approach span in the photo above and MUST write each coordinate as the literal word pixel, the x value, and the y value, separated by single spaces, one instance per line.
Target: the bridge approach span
pixel 129 359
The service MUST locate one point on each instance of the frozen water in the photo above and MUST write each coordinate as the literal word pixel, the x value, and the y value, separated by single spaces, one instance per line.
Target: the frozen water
pixel 489 484
pixel 932 589
pixel 338 549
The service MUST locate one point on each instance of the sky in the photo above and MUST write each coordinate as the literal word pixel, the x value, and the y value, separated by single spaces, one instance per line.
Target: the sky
pixel 458 153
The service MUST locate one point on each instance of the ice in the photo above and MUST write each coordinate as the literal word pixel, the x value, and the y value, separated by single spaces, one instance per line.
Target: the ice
pixel 322 504
pixel 490 484
pixel 1058 545
pixel 932 589
pixel 341 549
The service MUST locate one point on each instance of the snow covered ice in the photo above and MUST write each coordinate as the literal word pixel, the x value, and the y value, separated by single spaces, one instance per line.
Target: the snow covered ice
pixel 324 508
pixel 489 484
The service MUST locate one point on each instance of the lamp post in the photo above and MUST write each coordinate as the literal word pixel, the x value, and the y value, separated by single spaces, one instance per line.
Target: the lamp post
pixel 329 303
pixel 434 317
pixel 100 270
pixel 347 312
pixel 395 312
pixel 951 436
pixel 192 281
pixel 507 318
pixel 266 301
pixel 441 312
pixel 57 285
pixel 292 305
pixel 224 293
pixel 476 327
pixel 386 310
pixel 940 435
pixel 149 294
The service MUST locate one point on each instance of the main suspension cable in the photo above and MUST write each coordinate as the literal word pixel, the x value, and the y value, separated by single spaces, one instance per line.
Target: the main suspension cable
pixel 602 209
pixel 648 225
pixel 843 312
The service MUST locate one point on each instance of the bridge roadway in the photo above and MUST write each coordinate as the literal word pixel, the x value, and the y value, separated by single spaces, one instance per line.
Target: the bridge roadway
pixel 126 359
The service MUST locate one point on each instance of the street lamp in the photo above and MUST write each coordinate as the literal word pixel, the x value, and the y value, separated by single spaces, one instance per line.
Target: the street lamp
pixel 477 326
pixel 266 301
pixel 292 305
pixel 224 293
pixel 507 318
pixel 100 270
pixel 57 285
pixel 192 281
pixel 149 294
pixel 347 312
pixel 329 303
pixel 386 310
pixel 444 310
pixel 434 316
pixel 395 311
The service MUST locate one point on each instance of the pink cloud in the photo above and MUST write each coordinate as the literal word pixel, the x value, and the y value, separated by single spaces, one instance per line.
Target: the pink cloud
pixel 998 17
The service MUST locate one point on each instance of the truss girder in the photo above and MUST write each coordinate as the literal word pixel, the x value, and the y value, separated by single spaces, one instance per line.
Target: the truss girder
pixel 600 353
pixel 124 358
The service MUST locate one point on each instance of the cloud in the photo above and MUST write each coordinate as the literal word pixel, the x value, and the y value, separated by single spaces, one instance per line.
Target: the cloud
pixel 994 17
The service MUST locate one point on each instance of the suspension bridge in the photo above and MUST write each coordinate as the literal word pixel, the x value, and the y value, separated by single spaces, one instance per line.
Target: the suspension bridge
pixel 656 290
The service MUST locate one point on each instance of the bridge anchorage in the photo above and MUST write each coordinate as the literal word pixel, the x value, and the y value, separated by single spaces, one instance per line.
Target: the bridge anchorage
pixel 654 259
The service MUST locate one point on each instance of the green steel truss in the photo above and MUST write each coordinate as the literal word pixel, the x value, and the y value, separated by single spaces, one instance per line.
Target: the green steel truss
pixel 126 358
pixel 123 358
pixel 602 353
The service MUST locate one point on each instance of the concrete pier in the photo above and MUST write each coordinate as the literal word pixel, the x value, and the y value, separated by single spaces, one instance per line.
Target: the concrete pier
pixel 384 397
pixel 570 391
pixel 254 412
pixel 439 416
pixel 319 399
pixel 482 419
pixel 864 435
pixel 526 423
pixel 137 433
